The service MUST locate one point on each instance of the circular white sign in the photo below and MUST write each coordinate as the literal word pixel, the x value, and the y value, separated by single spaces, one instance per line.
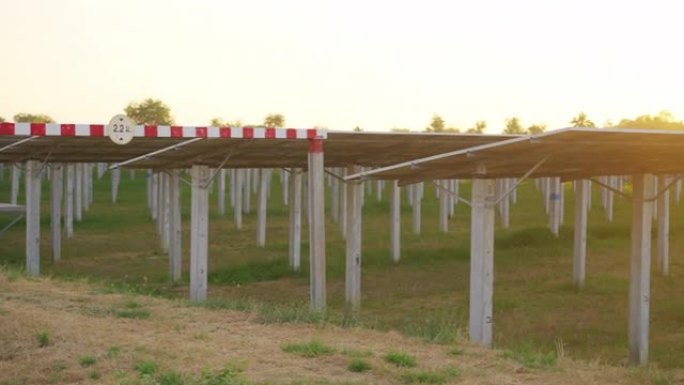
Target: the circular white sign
pixel 120 129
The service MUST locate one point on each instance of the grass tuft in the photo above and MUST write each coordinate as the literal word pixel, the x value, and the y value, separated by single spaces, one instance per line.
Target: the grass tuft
pixel 431 377
pixel 310 350
pixel 43 338
pixel 256 271
pixel 87 360
pixel 146 368
pixel 403 360
pixel 359 365
pixel 133 313
pixel 525 355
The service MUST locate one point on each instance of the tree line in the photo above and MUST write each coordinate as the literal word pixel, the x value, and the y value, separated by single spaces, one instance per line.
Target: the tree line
pixel 155 112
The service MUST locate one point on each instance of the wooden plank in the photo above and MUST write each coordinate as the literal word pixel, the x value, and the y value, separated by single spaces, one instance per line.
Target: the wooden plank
pixel 199 233
pixel 640 268
pixel 353 244
pixel 582 191
pixel 33 182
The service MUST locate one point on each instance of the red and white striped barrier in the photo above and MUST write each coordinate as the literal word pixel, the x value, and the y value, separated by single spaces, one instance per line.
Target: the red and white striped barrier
pixel 96 130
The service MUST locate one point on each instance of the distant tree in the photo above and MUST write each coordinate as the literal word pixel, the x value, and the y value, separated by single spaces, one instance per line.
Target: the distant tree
pixel 149 111
pixel 357 129
pixel 513 127
pixel 608 124
pixel 398 129
pixel 436 125
pixel 2 119
pixel 218 122
pixel 536 129
pixel 31 118
pixel 274 120
pixel 479 128
pixel 581 120
pixel 663 121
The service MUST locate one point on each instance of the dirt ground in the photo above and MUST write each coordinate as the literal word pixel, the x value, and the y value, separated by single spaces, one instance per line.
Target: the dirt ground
pixel 79 320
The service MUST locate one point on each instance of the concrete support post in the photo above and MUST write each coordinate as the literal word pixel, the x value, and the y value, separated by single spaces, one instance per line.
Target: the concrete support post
pixel 663 248
pixel 175 241
pixel 33 183
pixel 555 205
pixel 481 261
pixel 353 245
pixel 238 189
pixel 56 211
pixel 295 196
pixel 417 198
pixel 580 244
pixel 69 202
pixel 116 178
pixel 316 198
pixel 16 175
pixel 221 196
pixel 395 221
pixel 640 268
pixel 265 175
pixel 199 233
pixel 78 192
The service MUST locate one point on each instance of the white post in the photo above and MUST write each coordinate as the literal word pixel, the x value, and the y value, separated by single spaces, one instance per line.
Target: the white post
pixel 247 190
pixel 16 174
pixel 199 234
pixel 640 264
pixel 554 204
pixel 610 197
pixel 481 261
pixel 663 226
pixel 317 225
pixel 69 202
pixel 56 212
pixel 116 178
pixel 353 246
pixel 678 189
pixel 378 190
pixel 261 211
pixel 237 207
pixel 221 196
pixel 33 183
pixel 295 196
pixel 165 185
pixel 504 204
pixel 101 169
pixel 443 205
pixel 343 207
pixel 417 198
pixel 335 185
pixel 78 192
pixel 580 246
pixel 395 221
pixel 175 234
pixel 233 172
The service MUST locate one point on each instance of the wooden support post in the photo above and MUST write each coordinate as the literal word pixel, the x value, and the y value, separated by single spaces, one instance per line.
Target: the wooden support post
pixel 56 212
pixel 78 192
pixel 317 225
pixel 175 234
pixel 663 248
pixel 16 175
pixel 395 221
pixel 580 245
pixel 69 202
pixel 353 245
pixel 640 268
pixel 265 175
pixel 199 233
pixel 221 196
pixel 237 207
pixel 116 178
pixel 481 261
pixel 33 182
pixel 295 196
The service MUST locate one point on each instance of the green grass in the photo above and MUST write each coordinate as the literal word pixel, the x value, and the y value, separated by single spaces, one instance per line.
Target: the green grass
pixel 400 359
pixel 310 349
pixel 146 368
pixel 359 365
pixel 43 338
pixel 534 299
pixel 437 377
pixel 527 356
pixel 87 360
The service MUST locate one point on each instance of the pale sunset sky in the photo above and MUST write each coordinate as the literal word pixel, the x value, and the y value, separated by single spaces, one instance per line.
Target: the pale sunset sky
pixel 340 64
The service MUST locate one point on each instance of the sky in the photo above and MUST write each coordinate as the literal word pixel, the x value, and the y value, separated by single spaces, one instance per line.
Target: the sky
pixel 340 64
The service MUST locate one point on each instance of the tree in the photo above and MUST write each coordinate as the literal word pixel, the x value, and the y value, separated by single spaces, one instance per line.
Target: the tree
pixel 357 129
pixel 436 125
pixel 663 121
pixel 31 118
pixel 149 111
pixel 479 128
pixel 2 119
pixel 536 129
pixel 513 127
pixel 581 120
pixel 274 120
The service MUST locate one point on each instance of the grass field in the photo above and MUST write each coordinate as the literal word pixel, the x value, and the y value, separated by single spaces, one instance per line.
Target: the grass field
pixel 536 307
